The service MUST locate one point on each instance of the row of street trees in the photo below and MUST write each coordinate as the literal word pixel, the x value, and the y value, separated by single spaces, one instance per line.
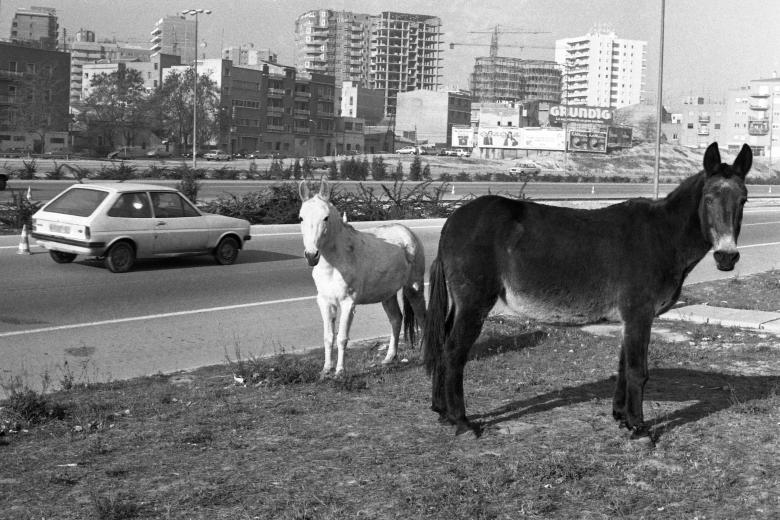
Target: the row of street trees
pixel 119 111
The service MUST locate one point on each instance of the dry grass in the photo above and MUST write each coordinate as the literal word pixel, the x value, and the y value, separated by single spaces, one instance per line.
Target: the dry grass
pixel 280 446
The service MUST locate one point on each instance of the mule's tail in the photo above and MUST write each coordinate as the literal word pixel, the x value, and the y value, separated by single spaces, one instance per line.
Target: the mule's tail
pixel 436 323
pixel 410 321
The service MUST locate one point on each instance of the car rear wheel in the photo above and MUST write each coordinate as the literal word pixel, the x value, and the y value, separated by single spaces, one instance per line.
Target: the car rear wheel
pixel 61 257
pixel 120 258
pixel 226 251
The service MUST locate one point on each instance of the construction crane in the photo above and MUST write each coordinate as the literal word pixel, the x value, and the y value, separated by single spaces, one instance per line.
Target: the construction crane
pixel 494 40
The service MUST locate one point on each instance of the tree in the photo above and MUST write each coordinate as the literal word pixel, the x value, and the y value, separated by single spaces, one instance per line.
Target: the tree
pixel 398 174
pixel 415 170
pixel 116 107
pixel 378 168
pixel 37 110
pixel 174 102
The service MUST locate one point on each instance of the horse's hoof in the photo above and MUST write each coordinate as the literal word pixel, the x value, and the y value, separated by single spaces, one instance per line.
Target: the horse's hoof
pixel 386 361
pixel 466 427
pixel 326 374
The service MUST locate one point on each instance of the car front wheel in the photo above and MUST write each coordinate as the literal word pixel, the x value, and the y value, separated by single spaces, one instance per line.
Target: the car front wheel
pixel 120 258
pixel 226 251
pixel 61 257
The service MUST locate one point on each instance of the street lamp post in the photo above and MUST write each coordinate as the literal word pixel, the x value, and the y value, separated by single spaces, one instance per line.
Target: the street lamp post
pixel 195 13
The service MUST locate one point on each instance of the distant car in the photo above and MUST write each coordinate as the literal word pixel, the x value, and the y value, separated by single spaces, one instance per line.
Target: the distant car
pixel 122 222
pixel 463 152
pixel 526 168
pixel 217 155
pixel 159 153
pixel 407 150
pixel 317 163
pixel 455 152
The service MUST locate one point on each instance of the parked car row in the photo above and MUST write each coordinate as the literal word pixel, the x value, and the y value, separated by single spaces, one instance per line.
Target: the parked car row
pixel 420 150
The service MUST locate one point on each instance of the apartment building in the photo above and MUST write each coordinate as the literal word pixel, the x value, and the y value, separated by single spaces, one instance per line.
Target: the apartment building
pixel 175 35
pixel 602 70
pixel 36 26
pixel 754 117
pixel 151 71
pixel 498 79
pixel 365 103
pixel 33 96
pixel 405 54
pixel 699 122
pixel 247 55
pixel 335 43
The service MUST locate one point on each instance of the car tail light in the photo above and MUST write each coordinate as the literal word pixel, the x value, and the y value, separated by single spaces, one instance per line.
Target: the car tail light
pixel 86 232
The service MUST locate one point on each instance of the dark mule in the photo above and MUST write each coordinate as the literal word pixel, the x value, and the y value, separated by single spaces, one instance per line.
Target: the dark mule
pixel 624 262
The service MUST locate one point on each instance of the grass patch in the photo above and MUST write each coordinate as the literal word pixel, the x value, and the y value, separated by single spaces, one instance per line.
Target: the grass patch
pixel 760 291
pixel 281 444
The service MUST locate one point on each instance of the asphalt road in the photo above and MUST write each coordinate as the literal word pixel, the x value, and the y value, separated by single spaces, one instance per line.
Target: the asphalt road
pixel 169 315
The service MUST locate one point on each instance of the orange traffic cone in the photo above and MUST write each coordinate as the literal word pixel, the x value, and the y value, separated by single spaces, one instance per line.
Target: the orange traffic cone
pixel 29 193
pixel 24 242
pixel 344 217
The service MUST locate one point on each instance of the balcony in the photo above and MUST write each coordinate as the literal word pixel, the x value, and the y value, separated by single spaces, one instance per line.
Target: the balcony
pixel 276 92
pixel 758 127
pixel 302 94
pixel 704 118
pixel 275 110
pixel 703 130
pixel 758 104
pixel 275 128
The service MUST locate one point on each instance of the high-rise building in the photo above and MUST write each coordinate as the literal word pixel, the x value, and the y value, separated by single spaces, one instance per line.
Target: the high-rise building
pixel 247 55
pixel 37 25
pixel 336 43
pixel 501 79
pixel 175 35
pixel 405 54
pixel 602 70
pixel 85 52
pixel 392 52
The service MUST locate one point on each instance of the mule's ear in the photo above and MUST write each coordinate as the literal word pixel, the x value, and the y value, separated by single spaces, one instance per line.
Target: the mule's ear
pixel 743 161
pixel 303 191
pixel 324 189
pixel 711 159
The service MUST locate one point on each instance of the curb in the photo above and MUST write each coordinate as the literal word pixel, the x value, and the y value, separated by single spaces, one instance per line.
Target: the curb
pixel 726 317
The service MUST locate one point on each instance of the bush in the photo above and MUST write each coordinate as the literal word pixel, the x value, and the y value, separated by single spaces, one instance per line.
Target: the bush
pixel 378 168
pixel 32 407
pixel 415 170
pixel 225 174
pixel 118 172
pixel 18 211
pixel 189 184
pixel 398 174
pixel 270 205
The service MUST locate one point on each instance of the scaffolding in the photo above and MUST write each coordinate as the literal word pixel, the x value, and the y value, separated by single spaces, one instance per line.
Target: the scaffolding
pixel 499 79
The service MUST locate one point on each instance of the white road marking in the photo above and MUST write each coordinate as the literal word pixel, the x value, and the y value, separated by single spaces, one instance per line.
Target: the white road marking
pixel 154 316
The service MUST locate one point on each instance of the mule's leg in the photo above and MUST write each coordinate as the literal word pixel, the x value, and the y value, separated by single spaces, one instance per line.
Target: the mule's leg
pixel 465 330
pixel 328 312
pixel 396 317
pixel 633 374
pixel 347 312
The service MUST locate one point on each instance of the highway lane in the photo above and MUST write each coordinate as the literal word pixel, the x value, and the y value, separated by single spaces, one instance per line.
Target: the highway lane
pixel 175 314
pixel 211 189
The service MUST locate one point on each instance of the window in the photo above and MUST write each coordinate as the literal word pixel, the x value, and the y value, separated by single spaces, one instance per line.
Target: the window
pixel 79 202
pixel 690 125
pixel 131 205
pixel 172 205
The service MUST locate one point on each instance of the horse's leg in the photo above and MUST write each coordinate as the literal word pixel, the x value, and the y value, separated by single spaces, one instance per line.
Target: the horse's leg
pixel 633 374
pixel 465 330
pixel 328 312
pixel 396 317
pixel 347 312
pixel 417 298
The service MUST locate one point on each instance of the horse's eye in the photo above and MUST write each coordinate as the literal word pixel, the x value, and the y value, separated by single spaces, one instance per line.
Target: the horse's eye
pixel 325 219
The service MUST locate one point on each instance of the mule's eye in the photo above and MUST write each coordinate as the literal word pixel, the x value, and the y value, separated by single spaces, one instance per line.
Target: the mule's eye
pixel 300 219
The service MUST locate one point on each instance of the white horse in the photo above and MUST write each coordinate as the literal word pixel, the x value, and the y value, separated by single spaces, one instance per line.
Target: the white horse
pixel 354 268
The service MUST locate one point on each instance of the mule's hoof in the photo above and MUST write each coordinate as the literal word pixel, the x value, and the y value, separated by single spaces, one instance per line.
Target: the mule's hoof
pixel 466 427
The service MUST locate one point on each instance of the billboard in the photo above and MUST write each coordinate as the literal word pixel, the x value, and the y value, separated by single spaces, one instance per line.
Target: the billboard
pixel 580 114
pixel 513 138
pixel 581 141
pixel 463 137
pixel 619 137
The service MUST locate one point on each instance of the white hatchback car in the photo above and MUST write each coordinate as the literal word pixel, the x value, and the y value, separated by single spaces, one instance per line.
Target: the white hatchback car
pixel 122 222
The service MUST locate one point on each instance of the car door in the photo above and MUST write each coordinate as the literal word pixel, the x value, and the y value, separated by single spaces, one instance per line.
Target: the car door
pixel 179 227
pixel 131 216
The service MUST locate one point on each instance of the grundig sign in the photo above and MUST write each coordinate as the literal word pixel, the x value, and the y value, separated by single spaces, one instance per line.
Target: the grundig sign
pixel 580 114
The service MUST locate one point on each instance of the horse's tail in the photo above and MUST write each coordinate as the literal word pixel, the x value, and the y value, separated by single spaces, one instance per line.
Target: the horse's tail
pixel 436 325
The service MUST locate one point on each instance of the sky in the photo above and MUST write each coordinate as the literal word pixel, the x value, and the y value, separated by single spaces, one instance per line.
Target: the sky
pixel 709 45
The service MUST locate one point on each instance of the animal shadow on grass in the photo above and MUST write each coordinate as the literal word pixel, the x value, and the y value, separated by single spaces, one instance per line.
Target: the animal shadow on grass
pixel 709 392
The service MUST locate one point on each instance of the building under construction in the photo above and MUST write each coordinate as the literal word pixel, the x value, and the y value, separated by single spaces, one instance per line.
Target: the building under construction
pixel 501 79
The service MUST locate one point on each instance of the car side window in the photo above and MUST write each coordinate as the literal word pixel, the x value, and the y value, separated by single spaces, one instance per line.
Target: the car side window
pixel 172 205
pixel 131 205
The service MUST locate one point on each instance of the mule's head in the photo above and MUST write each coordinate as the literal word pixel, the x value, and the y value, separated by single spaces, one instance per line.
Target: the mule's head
pixel 317 215
pixel 723 196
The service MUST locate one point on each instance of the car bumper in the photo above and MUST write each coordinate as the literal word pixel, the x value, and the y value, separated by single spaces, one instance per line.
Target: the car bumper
pixel 79 247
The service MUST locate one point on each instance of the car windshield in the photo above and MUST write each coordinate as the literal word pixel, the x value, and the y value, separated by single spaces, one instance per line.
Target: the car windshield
pixel 80 202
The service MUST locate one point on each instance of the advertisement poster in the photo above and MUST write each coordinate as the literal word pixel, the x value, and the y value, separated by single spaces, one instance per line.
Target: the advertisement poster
pixel 580 114
pixel 509 137
pixel 593 142
pixel 463 137
pixel 619 137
